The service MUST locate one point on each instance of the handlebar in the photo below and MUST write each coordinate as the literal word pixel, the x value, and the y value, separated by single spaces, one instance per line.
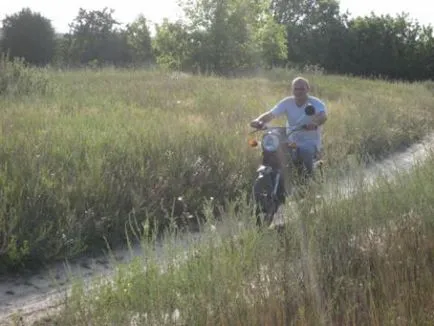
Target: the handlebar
pixel 291 129
pixel 308 111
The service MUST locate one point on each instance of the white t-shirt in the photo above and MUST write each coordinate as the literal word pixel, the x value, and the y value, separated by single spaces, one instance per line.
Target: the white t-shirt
pixel 294 116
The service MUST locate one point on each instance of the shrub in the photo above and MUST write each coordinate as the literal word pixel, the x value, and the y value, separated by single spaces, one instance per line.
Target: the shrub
pixel 16 78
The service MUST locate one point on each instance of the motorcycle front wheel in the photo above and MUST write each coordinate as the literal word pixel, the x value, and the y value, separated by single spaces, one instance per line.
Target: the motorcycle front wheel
pixel 265 203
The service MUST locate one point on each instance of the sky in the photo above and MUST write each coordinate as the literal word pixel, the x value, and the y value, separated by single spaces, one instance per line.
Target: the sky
pixel 61 14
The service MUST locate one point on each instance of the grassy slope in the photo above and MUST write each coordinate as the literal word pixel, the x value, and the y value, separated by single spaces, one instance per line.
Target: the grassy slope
pixel 366 260
pixel 110 145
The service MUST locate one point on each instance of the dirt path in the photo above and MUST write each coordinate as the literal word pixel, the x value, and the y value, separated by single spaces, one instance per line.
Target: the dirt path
pixel 37 295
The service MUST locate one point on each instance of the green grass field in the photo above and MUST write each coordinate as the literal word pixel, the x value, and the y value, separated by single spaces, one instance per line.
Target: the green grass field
pixel 85 153
pixel 365 260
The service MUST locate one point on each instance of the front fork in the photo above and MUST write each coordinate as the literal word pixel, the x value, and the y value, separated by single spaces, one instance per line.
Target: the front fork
pixel 267 170
pixel 276 184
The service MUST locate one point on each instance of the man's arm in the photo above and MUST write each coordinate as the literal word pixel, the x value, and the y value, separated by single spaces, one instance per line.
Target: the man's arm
pixel 266 117
pixel 320 117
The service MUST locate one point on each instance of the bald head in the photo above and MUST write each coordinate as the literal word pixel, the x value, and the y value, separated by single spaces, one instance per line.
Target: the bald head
pixel 300 81
pixel 300 88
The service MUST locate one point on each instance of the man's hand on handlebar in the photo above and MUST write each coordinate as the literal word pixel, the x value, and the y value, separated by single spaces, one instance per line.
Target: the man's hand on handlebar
pixel 257 124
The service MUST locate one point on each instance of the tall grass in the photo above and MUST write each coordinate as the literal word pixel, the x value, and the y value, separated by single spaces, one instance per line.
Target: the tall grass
pixel 108 146
pixel 363 260
pixel 18 79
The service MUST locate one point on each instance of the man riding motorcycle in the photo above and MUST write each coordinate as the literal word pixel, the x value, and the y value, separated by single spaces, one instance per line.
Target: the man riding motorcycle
pixel 308 139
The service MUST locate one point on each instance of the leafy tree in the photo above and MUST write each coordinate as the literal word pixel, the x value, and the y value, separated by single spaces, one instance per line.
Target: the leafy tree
pixel 424 51
pixel 316 30
pixel 291 12
pixel 318 33
pixel 139 40
pixel 218 33
pixel 272 39
pixel 94 37
pixel 390 46
pixel 61 55
pixel 171 45
pixel 30 36
pixel 232 34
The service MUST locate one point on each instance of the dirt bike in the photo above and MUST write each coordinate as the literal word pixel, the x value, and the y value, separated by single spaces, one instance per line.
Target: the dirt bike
pixel 279 172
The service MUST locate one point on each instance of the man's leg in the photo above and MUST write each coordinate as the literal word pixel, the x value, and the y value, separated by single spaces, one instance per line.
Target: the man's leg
pixel 307 154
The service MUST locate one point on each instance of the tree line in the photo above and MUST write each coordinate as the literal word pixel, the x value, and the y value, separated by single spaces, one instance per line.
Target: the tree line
pixel 223 36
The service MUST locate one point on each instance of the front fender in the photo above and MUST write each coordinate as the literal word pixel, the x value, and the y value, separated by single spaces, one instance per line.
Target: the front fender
pixel 264 169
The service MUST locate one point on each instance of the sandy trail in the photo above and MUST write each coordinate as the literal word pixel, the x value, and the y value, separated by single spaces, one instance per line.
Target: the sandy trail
pixel 35 296
pixel 38 295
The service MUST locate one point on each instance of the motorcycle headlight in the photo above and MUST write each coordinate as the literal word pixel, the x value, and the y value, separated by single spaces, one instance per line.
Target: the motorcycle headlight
pixel 270 142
